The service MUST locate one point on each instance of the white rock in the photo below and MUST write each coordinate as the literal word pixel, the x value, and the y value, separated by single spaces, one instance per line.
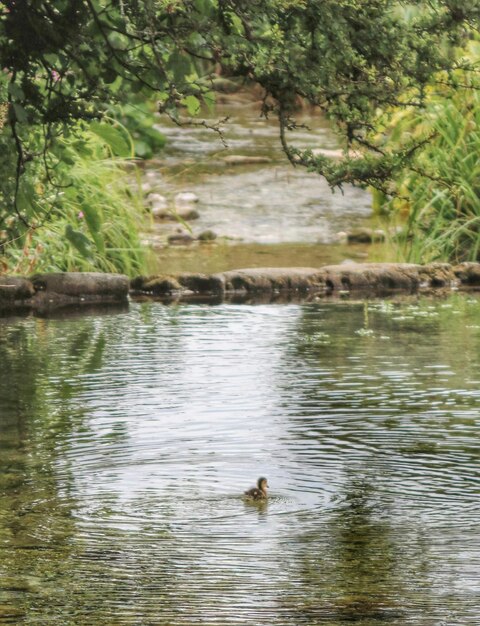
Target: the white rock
pixel 157 200
pixel 185 198
pixel 160 212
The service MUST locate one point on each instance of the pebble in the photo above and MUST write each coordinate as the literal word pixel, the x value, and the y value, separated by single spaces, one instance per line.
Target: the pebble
pixel 185 198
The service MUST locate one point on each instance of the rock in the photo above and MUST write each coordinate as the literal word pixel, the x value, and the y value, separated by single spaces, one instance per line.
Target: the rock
pixel 80 284
pixel 207 235
pixel 168 284
pixel 244 159
pixel 202 283
pixel 137 283
pixel 185 199
pixel 155 285
pixel 468 273
pixel 180 239
pixel 187 215
pixel 157 200
pixel 384 277
pixel 160 285
pixel 14 290
pixel 47 291
pixel 161 213
pixel 269 284
pixel 434 275
pixel 365 235
pixel 224 85
pixel 270 279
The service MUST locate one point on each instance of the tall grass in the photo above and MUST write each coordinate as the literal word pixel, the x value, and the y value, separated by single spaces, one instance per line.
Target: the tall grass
pixel 440 193
pixel 95 214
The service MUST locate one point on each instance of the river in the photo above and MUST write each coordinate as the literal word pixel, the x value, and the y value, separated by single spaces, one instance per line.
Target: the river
pixel 127 440
pixel 265 214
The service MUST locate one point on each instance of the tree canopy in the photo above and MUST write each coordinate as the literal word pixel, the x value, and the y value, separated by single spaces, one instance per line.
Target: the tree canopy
pixel 69 60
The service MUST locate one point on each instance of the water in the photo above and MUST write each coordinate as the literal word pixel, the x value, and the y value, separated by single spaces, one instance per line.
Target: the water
pixel 267 208
pixel 127 440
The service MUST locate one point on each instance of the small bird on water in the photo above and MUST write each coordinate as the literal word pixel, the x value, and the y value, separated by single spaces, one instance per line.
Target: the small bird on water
pixel 260 491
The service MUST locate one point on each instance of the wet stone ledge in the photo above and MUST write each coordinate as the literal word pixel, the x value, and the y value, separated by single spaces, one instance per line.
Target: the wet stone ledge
pixel 45 292
pixel 51 291
pixel 305 283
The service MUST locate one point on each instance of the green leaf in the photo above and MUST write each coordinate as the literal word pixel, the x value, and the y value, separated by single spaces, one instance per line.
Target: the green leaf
pixel 142 149
pixel 209 99
pixel 109 75
pixel 20 113
pixel 193 105
pixel 204 7
pixel 155 138
pixel 79 241
pixel 16 91
pixel 180 65
pixel 26 197
pixel 113 137
pixel 94 223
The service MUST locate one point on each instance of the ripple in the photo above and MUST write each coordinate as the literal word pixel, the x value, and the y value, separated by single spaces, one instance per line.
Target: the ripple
pixel 122 478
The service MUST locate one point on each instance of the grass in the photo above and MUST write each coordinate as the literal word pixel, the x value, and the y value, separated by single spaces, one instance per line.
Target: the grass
pixel 440 193
pixel 96 216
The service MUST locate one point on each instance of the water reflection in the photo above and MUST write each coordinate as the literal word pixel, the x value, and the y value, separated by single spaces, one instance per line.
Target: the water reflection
pixel 126 442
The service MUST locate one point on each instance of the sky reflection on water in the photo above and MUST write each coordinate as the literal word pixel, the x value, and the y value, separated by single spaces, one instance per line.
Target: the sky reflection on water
pixel 127 440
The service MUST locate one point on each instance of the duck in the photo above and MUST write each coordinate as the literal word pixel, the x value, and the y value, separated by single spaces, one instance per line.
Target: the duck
pixel 260 491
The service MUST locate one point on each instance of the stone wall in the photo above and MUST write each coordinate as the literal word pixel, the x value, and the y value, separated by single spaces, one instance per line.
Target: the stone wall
pixel 51 291
pixel 376 279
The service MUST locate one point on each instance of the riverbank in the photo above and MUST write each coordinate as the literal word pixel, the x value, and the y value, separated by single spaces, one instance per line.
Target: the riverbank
pixel 45 292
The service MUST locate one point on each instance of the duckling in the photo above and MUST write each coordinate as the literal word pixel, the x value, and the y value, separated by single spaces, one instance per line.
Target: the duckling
pixel 260 491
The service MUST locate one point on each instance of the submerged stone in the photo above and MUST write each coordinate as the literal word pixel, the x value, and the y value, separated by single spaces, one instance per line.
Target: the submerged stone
pixel 168 284
pixel 160 285
pixel 202 283
pixel 382 277
pixel 82 284
pixel 245 159
pixel 468 273
pixel 268 283
pixel 365 235
pixel 271 279
pixel 171 215
pixel 180 239
pixel 15 290
pixel 307 282
pixel 207 235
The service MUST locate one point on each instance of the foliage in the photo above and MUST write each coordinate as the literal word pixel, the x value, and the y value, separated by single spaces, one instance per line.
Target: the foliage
pixel 69 59
pixel 94 215
pixel 439 191
pixel 140 120
pixel 68 62
pixel 444 195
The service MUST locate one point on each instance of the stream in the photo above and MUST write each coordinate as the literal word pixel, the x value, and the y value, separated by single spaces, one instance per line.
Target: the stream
pixel 265 214
pixel 127 440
